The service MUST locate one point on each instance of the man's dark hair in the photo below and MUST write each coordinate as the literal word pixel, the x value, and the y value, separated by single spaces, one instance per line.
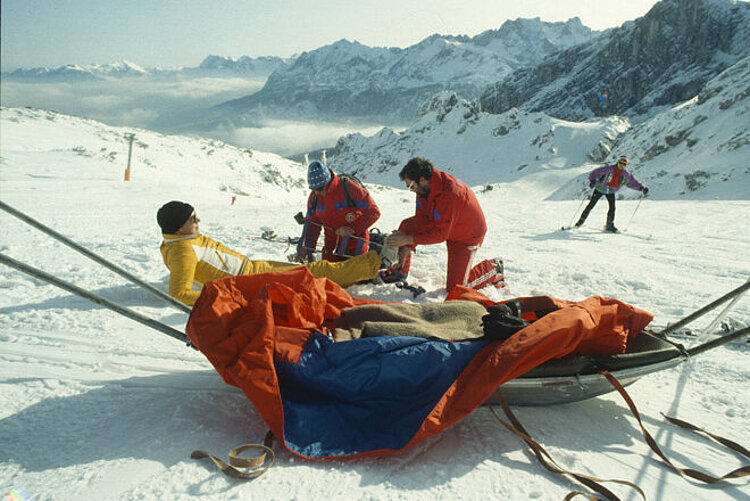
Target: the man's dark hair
pixel 416 168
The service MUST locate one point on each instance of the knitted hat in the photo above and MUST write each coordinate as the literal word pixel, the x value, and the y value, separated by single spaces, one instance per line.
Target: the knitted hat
pixel 623 160
pixel 318 176
pixel 173 215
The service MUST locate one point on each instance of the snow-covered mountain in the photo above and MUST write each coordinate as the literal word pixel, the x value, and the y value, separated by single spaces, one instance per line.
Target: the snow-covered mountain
pixel 204 164
pixel 348 79
pixel 242 66
pixel 76 72
pixel 659 60
pixel 538 151
pixel 211 66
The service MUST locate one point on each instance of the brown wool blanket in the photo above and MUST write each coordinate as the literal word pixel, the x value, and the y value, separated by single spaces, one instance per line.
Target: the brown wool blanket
pixel 451 321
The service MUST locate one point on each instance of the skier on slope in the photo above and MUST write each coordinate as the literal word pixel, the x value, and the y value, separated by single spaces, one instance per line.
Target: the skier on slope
pixel 606 181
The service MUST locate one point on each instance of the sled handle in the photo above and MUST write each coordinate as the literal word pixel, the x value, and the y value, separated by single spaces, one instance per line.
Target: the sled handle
pixel 107 264
pixel 699 313
pixel 95 298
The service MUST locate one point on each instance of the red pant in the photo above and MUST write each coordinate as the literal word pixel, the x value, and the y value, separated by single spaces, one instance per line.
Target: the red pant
pixel 460 259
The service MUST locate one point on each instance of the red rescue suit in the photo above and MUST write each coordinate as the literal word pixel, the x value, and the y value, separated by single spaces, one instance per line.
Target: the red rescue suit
pixel 333 211
pixel 450 214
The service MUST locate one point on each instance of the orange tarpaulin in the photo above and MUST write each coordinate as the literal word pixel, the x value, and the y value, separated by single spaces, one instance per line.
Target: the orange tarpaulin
pixel 264 335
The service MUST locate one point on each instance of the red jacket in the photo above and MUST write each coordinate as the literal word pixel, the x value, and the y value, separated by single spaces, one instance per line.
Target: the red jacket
pixel 333 211
pixel 451 213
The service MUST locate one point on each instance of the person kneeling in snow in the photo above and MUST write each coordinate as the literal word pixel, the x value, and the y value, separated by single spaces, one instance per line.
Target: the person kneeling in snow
pixel 191 256
pixel 447 211
pixel 606 181
pixel 343 208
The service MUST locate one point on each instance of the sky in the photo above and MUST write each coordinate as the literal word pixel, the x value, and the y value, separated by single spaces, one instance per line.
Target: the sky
pixel 173 33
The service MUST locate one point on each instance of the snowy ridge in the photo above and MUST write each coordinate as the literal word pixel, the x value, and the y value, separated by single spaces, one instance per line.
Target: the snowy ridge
pixel 669 153
pixel 216 66
pixel 348 79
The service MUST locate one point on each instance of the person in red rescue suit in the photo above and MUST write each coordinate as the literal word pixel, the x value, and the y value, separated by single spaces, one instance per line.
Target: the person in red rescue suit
pixel 345 220
pixel 447 211
pixel 606 181
pixel 191 257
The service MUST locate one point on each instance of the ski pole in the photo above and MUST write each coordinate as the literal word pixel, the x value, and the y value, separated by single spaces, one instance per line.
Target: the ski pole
pixel 65 240
pixel 95 298
pixel 576 212
pixel 640 199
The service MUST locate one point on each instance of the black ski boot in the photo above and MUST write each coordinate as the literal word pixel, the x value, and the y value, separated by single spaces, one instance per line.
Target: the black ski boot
pixel 611 228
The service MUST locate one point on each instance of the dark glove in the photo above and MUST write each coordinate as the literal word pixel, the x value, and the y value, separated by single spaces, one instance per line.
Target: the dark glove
pixel 645 190
pixel 503 320
pixel 591 184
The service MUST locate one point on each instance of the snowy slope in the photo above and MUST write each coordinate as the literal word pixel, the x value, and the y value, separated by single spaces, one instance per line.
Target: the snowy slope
pixel 697 150
pixel 480 148
pixel 95 406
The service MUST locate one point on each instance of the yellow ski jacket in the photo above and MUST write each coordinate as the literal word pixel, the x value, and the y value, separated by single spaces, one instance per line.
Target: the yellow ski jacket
pixel 202 259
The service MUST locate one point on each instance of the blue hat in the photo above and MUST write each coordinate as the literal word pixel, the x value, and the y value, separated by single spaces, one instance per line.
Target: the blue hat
pixel 318 176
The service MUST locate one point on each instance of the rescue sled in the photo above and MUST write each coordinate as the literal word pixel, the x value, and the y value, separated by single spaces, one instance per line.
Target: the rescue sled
pixel 579 378
pixel 268 336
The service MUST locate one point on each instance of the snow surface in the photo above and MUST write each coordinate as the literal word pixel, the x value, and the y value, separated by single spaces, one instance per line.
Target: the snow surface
pixel 96 406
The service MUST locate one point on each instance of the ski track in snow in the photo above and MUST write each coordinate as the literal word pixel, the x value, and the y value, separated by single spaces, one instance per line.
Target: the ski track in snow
pixel 96 406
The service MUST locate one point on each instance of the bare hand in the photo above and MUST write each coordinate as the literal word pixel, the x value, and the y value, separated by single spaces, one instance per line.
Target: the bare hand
pixel 403 253
pixel 399 240
pixel 344 231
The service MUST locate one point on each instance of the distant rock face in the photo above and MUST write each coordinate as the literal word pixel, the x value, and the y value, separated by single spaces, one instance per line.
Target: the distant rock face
pixel 660 59
pixel 350 80
pixel 243 66
pixel 698 149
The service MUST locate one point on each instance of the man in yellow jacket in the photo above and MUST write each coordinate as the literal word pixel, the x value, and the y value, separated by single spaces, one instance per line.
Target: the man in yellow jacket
pixel 191 256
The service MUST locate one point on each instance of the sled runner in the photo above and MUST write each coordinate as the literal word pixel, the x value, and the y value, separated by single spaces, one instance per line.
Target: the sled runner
pixel 578 378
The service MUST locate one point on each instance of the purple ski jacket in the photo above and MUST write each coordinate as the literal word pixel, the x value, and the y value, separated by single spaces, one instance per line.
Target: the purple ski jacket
pixel 603 175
